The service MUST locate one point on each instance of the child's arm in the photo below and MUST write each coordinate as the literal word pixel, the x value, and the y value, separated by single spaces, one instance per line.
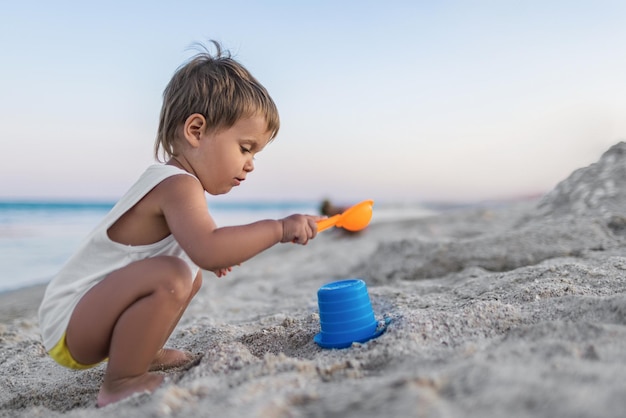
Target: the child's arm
pixel 184 207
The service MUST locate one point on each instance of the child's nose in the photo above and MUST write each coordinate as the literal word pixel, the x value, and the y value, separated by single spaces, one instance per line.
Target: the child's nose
pixel 249 166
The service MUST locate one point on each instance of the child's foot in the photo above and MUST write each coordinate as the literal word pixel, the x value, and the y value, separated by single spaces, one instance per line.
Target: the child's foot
pixel 117 390
pixel 167 358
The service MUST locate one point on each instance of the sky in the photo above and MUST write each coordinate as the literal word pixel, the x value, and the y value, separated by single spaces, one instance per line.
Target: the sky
pixel 401 101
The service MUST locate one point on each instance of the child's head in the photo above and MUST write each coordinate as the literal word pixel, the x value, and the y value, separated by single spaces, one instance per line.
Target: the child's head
pixel 217 87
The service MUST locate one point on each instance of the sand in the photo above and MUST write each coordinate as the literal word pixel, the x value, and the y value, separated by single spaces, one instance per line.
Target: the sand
pixel 514 310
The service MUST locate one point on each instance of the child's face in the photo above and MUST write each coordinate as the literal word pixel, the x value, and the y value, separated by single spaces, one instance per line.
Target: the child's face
pixel 225 158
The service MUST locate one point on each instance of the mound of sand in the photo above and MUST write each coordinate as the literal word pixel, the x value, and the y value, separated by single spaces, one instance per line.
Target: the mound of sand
pixel 596 190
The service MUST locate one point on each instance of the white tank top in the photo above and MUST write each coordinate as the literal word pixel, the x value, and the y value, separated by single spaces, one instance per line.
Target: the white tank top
pixel 98 256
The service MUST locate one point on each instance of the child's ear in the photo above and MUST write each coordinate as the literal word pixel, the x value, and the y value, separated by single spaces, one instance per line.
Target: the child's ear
pixel 194 127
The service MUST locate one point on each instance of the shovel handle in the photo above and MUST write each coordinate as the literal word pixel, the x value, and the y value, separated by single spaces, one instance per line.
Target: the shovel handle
pixel 327 223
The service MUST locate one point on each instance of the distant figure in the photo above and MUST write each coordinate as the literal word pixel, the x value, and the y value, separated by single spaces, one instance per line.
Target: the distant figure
pixel 328 209
pixel 120 296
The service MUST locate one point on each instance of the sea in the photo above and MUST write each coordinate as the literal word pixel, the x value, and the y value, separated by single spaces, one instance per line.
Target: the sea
pixel 38 237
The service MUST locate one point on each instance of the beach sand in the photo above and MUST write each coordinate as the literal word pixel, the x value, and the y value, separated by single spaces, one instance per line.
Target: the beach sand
pixel 512 310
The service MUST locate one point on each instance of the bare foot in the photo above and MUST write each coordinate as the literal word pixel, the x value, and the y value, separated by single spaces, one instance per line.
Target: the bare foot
pixel 117 390
pixel 167 358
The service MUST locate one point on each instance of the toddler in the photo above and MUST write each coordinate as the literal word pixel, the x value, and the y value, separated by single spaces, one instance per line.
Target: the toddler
pixel 119 297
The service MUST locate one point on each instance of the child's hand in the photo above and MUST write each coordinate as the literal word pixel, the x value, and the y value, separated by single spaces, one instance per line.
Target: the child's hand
pixel 299 229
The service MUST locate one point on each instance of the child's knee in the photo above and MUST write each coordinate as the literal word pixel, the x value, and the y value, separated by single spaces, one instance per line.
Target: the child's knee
pixel 177 278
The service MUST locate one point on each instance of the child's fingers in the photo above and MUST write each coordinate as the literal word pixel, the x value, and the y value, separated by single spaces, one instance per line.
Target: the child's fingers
pixel 223 272
pixel 312 223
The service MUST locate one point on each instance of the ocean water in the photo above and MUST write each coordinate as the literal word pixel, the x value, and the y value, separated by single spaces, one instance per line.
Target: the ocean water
pixel 36 238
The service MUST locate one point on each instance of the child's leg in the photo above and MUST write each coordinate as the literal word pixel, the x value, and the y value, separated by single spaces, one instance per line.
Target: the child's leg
pixel 167 358
pixel 128 317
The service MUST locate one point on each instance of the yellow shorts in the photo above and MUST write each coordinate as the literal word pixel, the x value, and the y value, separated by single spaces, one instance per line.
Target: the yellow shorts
pixel 61 354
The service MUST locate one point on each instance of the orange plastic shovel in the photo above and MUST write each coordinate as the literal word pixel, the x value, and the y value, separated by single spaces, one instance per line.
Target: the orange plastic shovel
pixel 353 219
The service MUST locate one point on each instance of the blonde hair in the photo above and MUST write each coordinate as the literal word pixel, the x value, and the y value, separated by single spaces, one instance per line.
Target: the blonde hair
pixel 217 87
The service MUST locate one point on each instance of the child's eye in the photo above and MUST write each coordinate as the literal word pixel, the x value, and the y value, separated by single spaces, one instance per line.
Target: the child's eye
pixel 245 150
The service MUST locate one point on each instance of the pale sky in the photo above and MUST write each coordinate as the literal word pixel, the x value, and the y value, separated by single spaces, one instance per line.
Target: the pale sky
pixel 394 100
